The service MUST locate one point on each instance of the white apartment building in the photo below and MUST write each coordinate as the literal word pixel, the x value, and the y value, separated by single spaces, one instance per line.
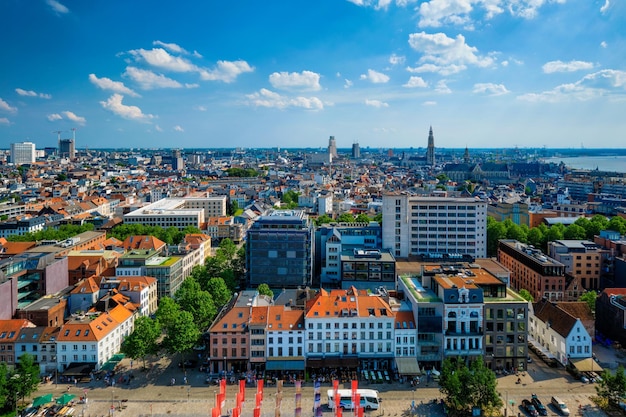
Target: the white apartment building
pixel 178 212
pixel 93 338
pixel 349 328
pixel 23 153
pixel 417 225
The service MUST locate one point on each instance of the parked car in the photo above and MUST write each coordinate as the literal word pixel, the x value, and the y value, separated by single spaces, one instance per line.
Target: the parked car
pixel 529 407
pixel 189 363
pixel 541 409
pixel 560 406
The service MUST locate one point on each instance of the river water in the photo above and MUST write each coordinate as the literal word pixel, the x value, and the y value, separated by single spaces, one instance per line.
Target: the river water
pixel 602 163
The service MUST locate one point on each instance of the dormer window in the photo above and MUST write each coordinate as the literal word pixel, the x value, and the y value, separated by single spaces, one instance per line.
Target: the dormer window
pixel 67 332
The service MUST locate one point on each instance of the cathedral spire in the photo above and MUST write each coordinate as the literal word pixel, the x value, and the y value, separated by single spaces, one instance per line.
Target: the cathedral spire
pixel 430 151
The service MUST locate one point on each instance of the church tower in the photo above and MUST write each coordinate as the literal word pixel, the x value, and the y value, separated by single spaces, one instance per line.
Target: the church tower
pixel 466 156
pixel 430 151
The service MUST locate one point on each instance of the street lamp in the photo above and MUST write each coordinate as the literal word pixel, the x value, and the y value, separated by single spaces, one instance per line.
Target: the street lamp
pixel 224 367
pixel 16 394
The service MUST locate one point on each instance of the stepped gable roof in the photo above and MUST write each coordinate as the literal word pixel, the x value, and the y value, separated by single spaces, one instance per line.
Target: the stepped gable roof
pixel 558 319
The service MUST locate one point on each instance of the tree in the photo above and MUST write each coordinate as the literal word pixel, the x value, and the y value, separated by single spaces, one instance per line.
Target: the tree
pixel 264 289
pixel 526 295
pixel 612 386
pixel 618 224
pixel 323 219
pixel 194 300
pixel 536 237
pixel 379 218
pixel 466 388
pixel 346 218
pixel 362 218
pixel 575 232
pixel 143 340
pixel 219 291
pixel 590 298
pixel 555 232
pixel 167 312
pixel 495 232
pixel 182 335
pixel 4 389
pixel 25 378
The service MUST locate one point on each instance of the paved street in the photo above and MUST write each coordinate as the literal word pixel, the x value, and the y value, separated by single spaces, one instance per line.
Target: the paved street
pixel 149 394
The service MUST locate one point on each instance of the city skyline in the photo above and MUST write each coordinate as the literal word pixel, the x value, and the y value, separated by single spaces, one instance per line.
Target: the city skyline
pixel 482 73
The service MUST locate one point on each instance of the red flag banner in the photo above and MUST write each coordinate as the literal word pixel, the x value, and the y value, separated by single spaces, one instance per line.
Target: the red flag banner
pixel 259 387
pixel 242 389
pixel 258 400
pixel 223 386
pixel 215 412
pixel 256 412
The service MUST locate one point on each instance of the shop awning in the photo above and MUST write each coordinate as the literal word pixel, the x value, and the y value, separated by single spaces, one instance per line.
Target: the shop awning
pixel 408 366
pixel 586 365
pixel 295 365
pixel 79 369
pixel 333 362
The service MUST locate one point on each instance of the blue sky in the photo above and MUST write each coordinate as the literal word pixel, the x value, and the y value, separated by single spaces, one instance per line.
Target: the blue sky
pixel 291 73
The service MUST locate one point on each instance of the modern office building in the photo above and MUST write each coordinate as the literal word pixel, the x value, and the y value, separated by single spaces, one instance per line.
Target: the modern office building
pixel 332 147
pixel 23 153
pixel 532 270
pixel 67 148
pixel 582 258
pixel 279 250
pixel 420 225
pixel 178 212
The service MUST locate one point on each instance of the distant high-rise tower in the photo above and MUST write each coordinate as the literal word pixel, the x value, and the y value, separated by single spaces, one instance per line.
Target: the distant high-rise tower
pixel 466 157
pixel 430 151
pixel 67 148
pixel 177 160
pixel 23 153
pixel 332 147
pixel 356 151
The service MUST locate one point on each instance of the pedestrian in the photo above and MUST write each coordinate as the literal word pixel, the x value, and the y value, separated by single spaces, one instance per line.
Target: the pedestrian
pixel 185 380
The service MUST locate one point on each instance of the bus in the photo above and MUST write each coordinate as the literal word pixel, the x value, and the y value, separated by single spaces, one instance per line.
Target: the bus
pixel 369 399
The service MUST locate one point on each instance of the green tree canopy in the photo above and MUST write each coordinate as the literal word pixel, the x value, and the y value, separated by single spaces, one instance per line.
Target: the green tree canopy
pixel 182 335
pixel 575 232
pixel 264 289
pixel 590 298
pixel 495 231
pixel 323 219
pixel 191 298
pixel 25 378
pixel 167 312
pixel 362 218
pixel 345 218
pixel 613 386
pixel 526 295
pixel 63 232
pixel 143 340
pixel 467 387
pixel 219 291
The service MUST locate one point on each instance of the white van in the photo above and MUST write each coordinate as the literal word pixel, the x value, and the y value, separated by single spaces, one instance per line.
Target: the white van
pixel 560 405
pixel 369 399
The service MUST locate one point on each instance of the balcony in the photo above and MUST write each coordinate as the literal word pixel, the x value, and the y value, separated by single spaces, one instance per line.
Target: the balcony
pixel 463 352
pixel 479 332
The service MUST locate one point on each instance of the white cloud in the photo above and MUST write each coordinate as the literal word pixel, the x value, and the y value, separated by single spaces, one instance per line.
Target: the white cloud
pixel 603 44
pixel 490 88
pixel 178 128
pixel 105 83
pixel 267 98
pixel 435 13
pixel 172 47
pixel 560 66
pixel 4 106
pixel 31 93
pixel 114 104
pixel 377 4
pixel 201 108
pixel 442 88
pixel 149 80
pixel 73 117
pixel 160 58
pixel 304 81
pixel 4 121
pixel 396 59
pixel 447 55
pixel 598 84
pixel 347 83
pixel 226 71
pixel 375 77
pixel 57 7
pixel 158 128
pixel 376 103
pixel 66 115
pixel 429 103
pixel 415 82
pixel 604 8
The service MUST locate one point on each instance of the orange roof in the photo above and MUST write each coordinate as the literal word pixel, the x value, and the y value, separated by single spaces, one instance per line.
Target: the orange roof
pixel 86 286
pixel 142 242
pixel 280 319
pixel 350 302
pixel 15 248
pixel 235 321
pixel 9 329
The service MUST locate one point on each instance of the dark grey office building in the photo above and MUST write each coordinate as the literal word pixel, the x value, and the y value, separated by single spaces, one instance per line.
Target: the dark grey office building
pixel 279 250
